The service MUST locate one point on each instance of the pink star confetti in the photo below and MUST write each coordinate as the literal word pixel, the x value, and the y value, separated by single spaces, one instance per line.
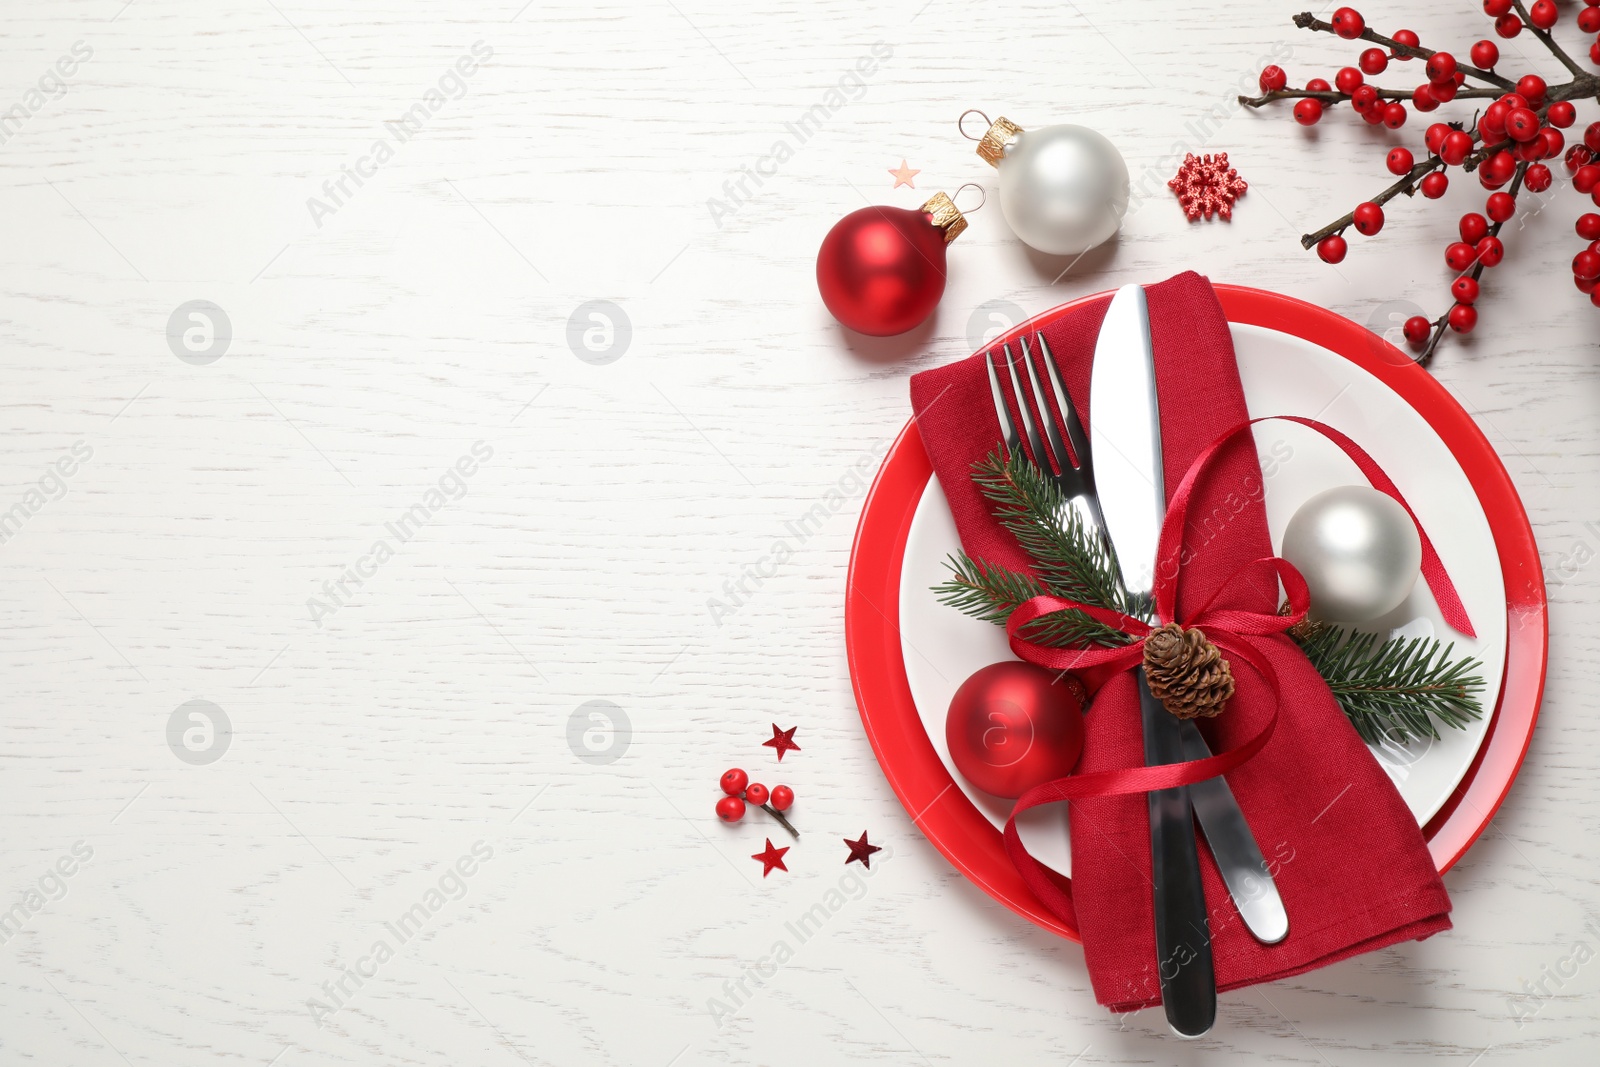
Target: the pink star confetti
pixel 1207 186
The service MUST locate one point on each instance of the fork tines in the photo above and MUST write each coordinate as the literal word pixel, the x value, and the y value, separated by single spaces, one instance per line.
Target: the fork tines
pixel 1058 432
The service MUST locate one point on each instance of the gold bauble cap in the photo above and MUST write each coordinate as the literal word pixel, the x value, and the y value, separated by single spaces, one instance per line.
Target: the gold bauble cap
pixel 992 145
pixel 945 215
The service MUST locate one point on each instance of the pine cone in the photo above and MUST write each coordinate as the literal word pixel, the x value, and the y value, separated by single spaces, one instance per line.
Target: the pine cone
pixel 1305 629
pixel 1186 672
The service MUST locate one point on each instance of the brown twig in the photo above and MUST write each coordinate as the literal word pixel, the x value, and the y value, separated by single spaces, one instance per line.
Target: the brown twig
pixel 1336 97
pixel 1307 21
pixel 1549 41
pixel 1476 271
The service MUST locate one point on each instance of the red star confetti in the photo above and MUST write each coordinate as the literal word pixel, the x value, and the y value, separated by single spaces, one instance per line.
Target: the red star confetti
pixel 772 857
pixel 903 175
pixel 1207 186
pixel 860 850
pixel 782 740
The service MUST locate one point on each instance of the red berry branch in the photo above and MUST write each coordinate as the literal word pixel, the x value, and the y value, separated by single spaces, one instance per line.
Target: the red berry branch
pixel 1504 144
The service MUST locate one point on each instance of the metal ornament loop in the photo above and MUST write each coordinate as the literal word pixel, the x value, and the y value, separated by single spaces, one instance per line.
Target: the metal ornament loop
pixel 960 123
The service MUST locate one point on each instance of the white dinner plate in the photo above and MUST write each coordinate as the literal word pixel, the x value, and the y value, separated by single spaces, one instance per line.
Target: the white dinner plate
pixel 1282 375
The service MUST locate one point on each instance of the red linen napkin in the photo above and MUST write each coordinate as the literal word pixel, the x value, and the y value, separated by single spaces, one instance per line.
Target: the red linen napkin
pixel 1347 855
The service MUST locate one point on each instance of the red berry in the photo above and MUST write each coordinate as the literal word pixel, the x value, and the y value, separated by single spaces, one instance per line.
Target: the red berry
pixel 1407 38
pixel 1594 57
pixel 1496 8
pixel 1434 185
pixel 1318 85
pixel 1498 169
pixel 1373 116
pixel 1348 80
pixel 1577 156
pixel 1272 79
pixel 1422 98
pixel 1332 248
pixel 1463 317
pixel 1368 218
pixel 1537 178
pixel 1586 265
pixel 1400 161
pixel 1589 20
pixel 1562 114
pixel 730 809
pixel 1493 123
pixel 1591 137
pixel 1528 151
pixel 1594 297
pixel 1364 98
pixel 1418 330
pixel 1435 135
pixel 1457 144
pixel 755 793
pixel 1508 26
pixel 1307 112
pixel 1474 227
pixel 1348 23
pixel 782 797
pixel 1543 14
pixel 1443 92
pixel 1374 61
pixel 1534 88
pixel 1501 206
pixel 1394 114
pixel 1464 289
pixel 1587 178
pixel 1551 143
pixel 1491 251
pixel 1459 256
pixel 1588 286
pixel 1441 67
pixel 733 782
pixel 1589 227
pixel 1522 124
pixel 1486 53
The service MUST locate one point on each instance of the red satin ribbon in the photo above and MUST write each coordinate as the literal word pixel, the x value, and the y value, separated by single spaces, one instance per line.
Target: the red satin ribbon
pixel 1231 629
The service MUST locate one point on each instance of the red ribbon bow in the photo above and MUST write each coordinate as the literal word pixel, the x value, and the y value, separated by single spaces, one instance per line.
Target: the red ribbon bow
pixel 1234 631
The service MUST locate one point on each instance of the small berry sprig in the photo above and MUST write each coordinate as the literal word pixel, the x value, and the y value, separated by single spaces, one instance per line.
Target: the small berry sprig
pixel 1505 144
pixel 738 789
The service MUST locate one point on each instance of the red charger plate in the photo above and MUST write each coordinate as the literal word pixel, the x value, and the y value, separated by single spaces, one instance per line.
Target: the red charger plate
pixel 923 783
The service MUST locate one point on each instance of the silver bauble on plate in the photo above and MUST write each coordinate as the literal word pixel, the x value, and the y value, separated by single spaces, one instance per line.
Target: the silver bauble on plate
pixel 1358 550
pixel 1063 189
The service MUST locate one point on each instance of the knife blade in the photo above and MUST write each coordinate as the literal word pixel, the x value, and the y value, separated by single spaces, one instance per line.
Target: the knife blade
pixel 1125 437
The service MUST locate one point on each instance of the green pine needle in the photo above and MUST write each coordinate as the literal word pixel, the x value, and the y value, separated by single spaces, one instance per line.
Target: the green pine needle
pixel 991 593
pixel 1070 558
pixel 1396 690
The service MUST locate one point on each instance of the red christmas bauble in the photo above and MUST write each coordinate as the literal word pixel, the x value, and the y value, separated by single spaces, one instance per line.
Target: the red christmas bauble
pixel 1011 727
pixel 881 270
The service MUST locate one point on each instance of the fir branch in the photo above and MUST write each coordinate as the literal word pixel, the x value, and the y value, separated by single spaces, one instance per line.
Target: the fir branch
pixel 1068 554
pixel 992 593
pixel 1395 690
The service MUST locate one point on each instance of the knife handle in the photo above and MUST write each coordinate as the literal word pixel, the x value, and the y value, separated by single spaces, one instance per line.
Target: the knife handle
pixel 1183 932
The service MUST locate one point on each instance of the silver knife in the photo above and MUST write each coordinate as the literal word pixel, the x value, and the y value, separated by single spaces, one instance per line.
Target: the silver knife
pixel 1125 437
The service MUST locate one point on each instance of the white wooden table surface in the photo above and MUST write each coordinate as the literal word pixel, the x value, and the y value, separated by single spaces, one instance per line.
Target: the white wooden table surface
pixel 417 319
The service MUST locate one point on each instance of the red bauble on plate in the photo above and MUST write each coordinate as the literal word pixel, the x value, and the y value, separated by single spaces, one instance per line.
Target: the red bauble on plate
pixel 881 270
pixel 1012 726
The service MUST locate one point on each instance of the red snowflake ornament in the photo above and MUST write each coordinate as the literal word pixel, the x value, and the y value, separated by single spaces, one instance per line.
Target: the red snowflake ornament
pixel 1207 186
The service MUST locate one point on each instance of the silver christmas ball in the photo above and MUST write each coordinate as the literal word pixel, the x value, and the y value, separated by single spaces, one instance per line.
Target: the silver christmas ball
pixel 1063 189
pixel 1357 549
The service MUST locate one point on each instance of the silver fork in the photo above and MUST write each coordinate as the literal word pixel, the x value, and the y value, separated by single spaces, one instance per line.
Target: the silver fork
pixel 1239 860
